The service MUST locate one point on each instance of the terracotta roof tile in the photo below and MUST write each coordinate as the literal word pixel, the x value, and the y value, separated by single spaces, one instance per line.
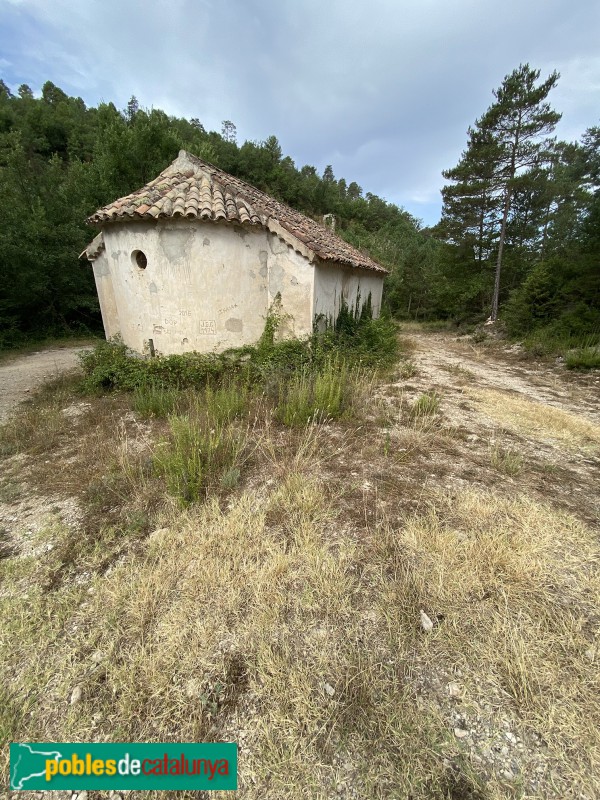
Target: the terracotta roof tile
pixel 194 189
pixel 94 248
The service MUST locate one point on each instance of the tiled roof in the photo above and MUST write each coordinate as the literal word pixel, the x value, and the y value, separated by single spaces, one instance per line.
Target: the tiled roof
pixel 94 248
pixel 194 189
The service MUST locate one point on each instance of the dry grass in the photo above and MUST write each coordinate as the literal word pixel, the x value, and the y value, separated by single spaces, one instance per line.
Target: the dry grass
pixel 260 623
pixel 40 423
pixel 537 419
pixel 250 623
pixel 458 371
pixel 506 460
pixel 277 615
pixel 515 588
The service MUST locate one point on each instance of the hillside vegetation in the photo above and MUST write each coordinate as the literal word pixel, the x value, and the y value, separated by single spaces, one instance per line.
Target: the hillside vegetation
pixel 517 199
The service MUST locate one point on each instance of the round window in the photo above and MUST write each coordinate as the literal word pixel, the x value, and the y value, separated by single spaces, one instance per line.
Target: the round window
pixel 139 259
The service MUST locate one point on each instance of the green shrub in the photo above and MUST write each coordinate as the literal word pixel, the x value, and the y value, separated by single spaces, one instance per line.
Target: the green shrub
pixel 225 402
pixel 150 400
pixel 583 358
pixel 231 478
pixel 111 365
pixel 196 456
pixel 534 303
pixel 554 340
pixel 359 341
pixel 426 405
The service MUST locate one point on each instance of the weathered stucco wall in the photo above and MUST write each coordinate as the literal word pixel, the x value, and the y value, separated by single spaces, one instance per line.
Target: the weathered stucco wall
pixel 106 295
pixel 334 282
pixel 206 286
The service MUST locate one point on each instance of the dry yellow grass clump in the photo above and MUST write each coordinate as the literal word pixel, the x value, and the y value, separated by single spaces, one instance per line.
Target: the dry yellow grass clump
pixel 539 420
pixel 263 623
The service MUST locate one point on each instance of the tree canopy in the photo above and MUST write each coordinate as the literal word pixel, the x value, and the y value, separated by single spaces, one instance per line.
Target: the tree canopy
pixel 518 237
pixel 60 161
pixel 518 214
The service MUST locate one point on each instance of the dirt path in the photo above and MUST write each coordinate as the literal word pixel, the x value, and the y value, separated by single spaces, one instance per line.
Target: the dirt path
pixel 516 423
pixel 26 373
pixel 447 362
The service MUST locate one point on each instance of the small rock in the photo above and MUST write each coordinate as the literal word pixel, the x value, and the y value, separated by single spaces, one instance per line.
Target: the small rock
pixel 454 689
pixel 510 737
pixel 426 622
pixel 460 733
pixel 76 695
pixel 158 534
pixel 590 654
pixel 329 689
pixel 98 656
pixel 508 774
pixel 193 688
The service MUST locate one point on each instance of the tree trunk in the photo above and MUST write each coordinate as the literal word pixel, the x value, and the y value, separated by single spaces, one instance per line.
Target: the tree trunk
pixel 481 221
pixel 545 234
pixel 494 314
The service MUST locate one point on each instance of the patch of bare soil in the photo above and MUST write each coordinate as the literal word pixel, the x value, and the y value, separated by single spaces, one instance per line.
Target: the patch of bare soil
pixel 509 423
pixel 21 377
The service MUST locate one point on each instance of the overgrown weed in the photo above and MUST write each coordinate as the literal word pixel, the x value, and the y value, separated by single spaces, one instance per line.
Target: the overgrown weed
pixel 507 461
pixel 328 393
pixel 199 453
pixel 583 358
pixel 151 400
pixel 426 405
pixel 365 342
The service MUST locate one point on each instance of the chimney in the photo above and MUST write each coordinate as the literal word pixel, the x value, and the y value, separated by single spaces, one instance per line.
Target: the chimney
pixel 329 222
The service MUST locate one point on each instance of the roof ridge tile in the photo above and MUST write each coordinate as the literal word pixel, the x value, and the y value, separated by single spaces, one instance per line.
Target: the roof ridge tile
pixel 196 189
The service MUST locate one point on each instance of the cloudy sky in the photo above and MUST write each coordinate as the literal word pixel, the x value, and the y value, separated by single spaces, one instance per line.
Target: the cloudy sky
pixel 383 90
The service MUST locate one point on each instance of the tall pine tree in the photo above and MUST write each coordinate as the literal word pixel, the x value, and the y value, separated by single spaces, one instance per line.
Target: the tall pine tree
pixel 499 171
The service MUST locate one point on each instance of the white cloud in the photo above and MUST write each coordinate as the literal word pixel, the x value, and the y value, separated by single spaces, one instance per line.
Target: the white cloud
pixel 383 91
